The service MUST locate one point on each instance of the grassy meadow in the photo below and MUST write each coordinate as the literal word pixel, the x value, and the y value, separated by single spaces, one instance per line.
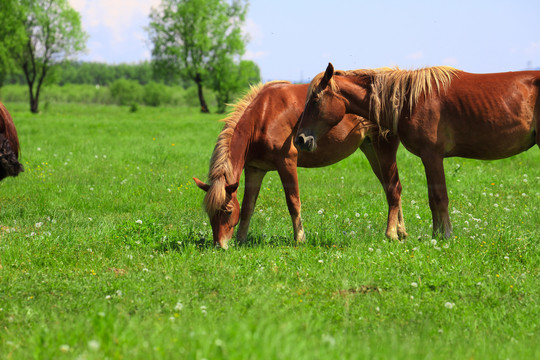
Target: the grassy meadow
pixel 106 252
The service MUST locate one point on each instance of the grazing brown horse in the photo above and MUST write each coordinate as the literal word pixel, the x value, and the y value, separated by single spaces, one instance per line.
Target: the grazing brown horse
pixel 437 112
pixel 9 146
pixel 258 137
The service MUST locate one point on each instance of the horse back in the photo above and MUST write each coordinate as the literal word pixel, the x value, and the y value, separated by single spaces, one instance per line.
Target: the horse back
pixel 482 116
pixel 274 116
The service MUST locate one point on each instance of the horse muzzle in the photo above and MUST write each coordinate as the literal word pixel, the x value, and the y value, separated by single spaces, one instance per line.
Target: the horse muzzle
pixel 305 142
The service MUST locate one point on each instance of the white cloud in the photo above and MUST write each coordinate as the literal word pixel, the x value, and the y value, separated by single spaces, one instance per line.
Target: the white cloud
pixel 117 16
pixel 116 28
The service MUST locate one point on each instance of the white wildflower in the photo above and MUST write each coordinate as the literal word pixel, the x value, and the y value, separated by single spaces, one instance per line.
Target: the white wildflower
pixel 93 345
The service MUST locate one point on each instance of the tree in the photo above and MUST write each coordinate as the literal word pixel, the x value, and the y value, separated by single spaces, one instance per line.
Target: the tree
pixel 190 37
pixel 53 33
pixel 229 78
pixel 12 35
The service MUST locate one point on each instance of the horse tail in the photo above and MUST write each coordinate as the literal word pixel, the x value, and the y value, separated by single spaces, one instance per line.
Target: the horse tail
pixel 9 146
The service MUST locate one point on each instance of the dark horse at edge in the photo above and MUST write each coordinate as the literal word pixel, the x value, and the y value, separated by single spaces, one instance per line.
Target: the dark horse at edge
pixel 9 146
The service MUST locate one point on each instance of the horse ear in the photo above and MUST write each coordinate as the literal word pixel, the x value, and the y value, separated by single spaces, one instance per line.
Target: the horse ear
pixel 231 188
pixel 327 75
pixel 201 185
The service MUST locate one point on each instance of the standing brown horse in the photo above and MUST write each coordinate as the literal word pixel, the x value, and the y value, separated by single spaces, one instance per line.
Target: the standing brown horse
pixel 258 137
pixel 9 146
pixel 437 112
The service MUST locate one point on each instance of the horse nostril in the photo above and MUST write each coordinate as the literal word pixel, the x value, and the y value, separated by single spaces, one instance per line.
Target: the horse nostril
pixel 300 140
pixel 305 143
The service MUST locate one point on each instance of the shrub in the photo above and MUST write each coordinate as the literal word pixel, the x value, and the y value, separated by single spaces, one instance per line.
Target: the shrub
pixel 126 92
pixel 156 94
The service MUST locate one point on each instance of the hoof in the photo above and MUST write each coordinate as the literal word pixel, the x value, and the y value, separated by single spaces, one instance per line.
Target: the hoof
pixel 402 234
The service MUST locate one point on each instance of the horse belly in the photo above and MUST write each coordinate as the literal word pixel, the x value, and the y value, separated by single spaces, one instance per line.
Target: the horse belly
pixel 490 139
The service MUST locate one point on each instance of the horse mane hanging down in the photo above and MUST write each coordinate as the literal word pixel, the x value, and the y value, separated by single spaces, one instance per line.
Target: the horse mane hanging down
pixel 392 88
pixel 220 173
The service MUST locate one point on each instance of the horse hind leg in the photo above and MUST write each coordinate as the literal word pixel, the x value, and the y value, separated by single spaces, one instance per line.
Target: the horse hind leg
pixel 438 195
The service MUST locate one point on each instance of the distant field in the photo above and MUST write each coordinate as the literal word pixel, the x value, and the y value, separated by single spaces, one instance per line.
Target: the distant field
pixel 106 252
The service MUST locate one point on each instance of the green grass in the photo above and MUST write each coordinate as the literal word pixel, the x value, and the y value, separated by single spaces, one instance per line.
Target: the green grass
pixel 81 278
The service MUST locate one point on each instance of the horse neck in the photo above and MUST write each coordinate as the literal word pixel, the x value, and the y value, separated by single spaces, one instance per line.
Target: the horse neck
pixel 356 91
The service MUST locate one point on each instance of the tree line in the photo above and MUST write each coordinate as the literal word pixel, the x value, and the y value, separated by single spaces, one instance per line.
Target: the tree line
pixel 195 42
pixel 91 73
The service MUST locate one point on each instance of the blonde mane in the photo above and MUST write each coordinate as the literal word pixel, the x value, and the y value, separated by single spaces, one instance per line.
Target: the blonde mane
pixel 220 173
pixel 314 89
pixel 392 88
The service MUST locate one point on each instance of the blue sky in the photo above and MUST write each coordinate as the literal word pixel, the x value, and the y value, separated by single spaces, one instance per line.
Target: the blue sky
pixel 295 40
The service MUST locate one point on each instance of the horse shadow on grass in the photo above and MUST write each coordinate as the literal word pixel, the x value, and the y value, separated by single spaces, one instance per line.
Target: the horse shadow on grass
pixel 201 241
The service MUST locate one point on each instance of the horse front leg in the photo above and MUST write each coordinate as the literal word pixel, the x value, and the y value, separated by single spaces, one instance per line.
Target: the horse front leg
pixel 438 196
pixel 253 181
pixel 289 179
pixel 381 154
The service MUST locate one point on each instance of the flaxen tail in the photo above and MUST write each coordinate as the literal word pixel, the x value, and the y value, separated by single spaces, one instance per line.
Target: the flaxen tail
pixel 9 146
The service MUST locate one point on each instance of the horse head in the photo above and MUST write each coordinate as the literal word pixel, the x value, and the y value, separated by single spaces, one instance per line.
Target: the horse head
pixel 223 209
pixel 324 108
